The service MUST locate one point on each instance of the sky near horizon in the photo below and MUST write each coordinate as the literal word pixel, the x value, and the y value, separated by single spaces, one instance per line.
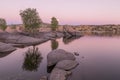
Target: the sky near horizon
pixel 74 12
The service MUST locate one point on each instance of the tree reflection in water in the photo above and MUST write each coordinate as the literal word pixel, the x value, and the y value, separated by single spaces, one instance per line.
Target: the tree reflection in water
pixel 68 40
pixel 4 54
pixel 54 44
pixel 32 59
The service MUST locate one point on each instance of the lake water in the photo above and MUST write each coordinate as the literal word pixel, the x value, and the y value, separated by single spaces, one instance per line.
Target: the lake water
pixel 99 59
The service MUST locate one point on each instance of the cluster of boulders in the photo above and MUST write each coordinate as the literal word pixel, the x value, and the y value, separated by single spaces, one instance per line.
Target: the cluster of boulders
pixel 9 41
pixel 19 39
pixel 64 62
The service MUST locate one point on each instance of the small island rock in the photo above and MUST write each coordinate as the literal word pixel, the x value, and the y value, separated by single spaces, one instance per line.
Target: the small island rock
pixel 58 55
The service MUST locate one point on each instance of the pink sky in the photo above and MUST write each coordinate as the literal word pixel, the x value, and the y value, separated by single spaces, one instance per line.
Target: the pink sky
pixel 74 12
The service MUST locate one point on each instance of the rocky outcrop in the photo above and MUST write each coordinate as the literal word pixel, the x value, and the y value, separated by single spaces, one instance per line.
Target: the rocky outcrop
pixel 59 74
pixel 59 35
pixel 58 55
pixel 65 61
pixel 53 35
pixel 20 39
pixel 66 64
pixel 6 48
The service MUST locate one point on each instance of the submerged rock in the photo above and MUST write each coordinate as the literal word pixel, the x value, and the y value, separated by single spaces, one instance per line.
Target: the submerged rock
pixel 66 64
pixel 59 74
pixel 6 48
pixel 58 55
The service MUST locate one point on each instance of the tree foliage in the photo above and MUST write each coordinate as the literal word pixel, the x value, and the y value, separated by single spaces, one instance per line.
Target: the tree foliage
pixel 3 24
pixel 31 19
pixel 54 23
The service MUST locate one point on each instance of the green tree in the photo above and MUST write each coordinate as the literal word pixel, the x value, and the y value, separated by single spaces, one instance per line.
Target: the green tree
pixel 54 23
pixel 3 24
pixel 31 19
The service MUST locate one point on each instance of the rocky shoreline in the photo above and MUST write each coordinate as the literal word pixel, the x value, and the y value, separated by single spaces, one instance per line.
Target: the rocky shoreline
pixel 9 41
pixel 23 39
pixel 6 48
pixel 62 60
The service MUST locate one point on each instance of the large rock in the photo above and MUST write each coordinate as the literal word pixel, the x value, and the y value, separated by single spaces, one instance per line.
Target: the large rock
pixel 6 48
pixel 53 35
pixel 57 55
pixel 66 64
pixel 20 39
pixel 59 34
pixel 59 74
pixel 49 35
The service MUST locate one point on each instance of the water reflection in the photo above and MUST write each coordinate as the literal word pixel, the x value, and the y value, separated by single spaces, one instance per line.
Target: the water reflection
pixel 68 40
pixel 5 54
pixel 54 44
pixel 32 59
pixel 102 60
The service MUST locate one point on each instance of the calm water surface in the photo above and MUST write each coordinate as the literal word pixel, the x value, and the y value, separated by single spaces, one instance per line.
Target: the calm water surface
pixel 99 59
